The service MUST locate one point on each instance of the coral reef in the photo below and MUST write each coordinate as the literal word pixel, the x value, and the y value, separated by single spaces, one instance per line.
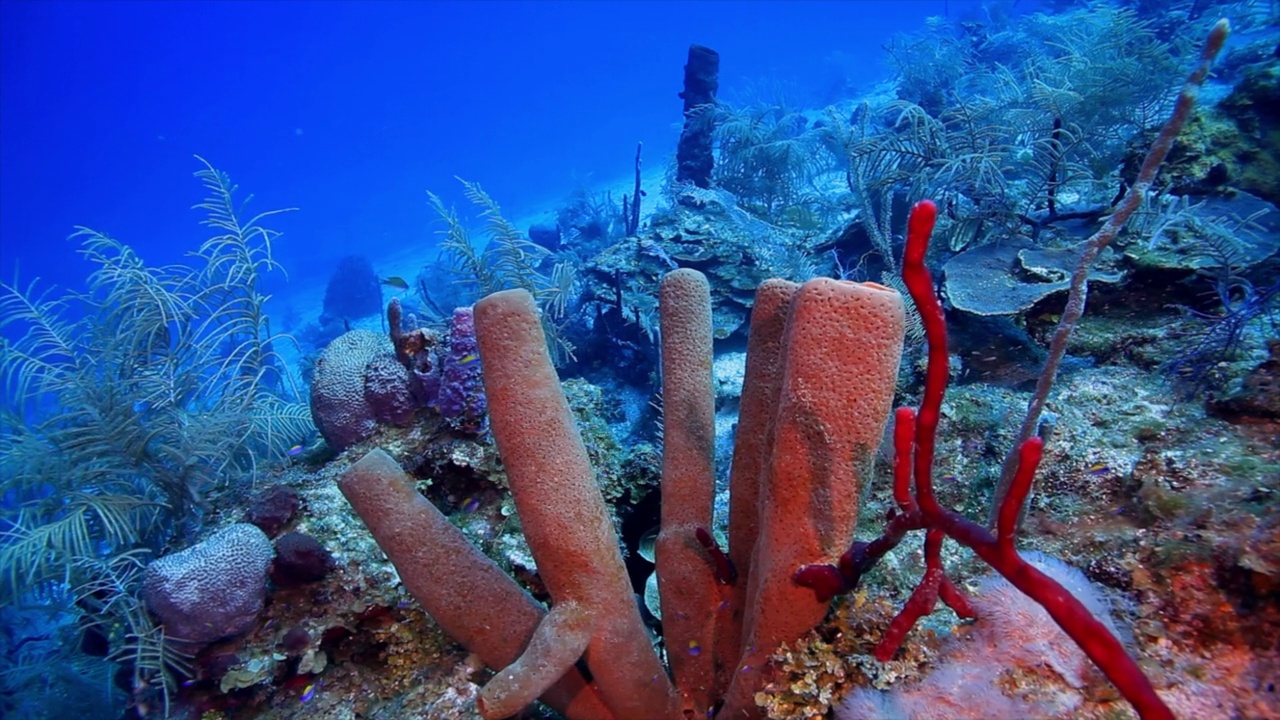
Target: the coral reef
pixel 495 553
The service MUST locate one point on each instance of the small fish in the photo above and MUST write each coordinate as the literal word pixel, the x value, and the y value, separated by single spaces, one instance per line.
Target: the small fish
pixel 470 505
pixel 947 479
pixel 309 691
pixel 694 648
pixel 468 359
pixel 396 282
pixel 295 451
pixel 1099 468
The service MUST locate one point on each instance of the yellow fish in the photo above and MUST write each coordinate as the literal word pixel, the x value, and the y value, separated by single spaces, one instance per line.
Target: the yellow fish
pixel 396 282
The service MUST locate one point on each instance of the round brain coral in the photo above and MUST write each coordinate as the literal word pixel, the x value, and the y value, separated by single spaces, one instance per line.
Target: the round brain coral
pixel 338 407
pixel 357 384
pixel 213 589
pixel 388 391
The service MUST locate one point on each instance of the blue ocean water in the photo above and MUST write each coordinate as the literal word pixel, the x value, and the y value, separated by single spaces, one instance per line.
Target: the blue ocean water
pixel 349 111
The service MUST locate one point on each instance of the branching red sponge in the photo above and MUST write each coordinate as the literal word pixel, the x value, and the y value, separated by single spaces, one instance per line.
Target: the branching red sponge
pixel 914 440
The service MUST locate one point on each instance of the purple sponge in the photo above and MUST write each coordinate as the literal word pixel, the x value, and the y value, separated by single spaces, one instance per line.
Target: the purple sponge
pixel 461 400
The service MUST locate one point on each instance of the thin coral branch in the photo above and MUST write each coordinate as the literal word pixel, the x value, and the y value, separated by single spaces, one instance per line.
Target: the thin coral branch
pixel 1079 290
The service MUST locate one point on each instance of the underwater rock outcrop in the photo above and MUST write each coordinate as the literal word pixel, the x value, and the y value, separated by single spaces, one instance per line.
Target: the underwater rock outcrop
pixel 273 508
pixel 1232 146
pixel 705 230
pixel 1258 397
pixel 300 559
pixel 1009 278
pixel 353 291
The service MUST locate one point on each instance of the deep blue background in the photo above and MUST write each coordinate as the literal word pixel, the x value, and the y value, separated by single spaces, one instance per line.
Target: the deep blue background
pixel 351 110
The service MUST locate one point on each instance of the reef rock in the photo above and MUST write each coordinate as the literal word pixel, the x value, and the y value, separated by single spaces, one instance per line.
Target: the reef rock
pixel 1010 277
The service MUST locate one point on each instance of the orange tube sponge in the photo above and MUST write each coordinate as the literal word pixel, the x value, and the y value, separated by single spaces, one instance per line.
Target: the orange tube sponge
pixel 752 442
pixel 469 596
pixel 841 352
pixel 560 506
pixel 687 585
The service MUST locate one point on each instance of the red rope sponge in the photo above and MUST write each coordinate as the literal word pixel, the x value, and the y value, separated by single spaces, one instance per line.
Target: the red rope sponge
pixel 914 439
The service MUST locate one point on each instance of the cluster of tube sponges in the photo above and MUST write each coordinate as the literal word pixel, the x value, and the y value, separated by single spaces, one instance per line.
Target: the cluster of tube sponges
pixel 821 368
